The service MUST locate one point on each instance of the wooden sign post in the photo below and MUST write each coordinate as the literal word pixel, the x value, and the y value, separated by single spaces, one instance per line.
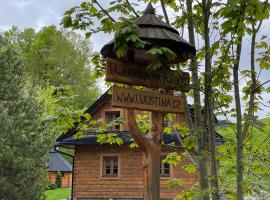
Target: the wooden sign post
pixel 158 103
pixel 155 33
pixel 131 74
pixel 145 100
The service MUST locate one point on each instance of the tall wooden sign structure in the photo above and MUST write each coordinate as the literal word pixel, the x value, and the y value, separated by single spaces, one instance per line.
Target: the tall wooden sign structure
pixel 131 71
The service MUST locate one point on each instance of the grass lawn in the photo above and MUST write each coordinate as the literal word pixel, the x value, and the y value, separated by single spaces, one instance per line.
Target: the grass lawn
pixel 259 133
pixel 57 194
pixel 256 158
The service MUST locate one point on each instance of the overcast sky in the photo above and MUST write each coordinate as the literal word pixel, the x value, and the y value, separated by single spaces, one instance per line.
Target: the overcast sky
pixel 39 13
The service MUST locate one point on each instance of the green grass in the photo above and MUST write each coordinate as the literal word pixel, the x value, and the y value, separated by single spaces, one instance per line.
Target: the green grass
pixel 57 194
pixel 259 132
pixel 256 157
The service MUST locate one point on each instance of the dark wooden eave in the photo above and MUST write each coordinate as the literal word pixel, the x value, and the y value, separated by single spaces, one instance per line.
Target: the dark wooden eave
pixel 91 139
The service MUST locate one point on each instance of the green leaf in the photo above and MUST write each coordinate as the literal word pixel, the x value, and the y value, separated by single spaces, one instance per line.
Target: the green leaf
pixel 191 169
pixel 67 21
pixel 173 159
pixel 265 65
pixel 134 145
pixel 132 38
pixel 110 138
pixel 168 130
pixel 88 34
pixel 87 116
pixel 175 182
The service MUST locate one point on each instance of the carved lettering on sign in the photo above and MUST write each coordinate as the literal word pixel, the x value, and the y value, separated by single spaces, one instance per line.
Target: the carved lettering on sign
pixel 128 73
pixel 145 100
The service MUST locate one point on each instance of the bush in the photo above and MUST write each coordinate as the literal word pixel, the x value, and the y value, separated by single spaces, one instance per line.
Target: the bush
pixel 51 186
pixel 58 180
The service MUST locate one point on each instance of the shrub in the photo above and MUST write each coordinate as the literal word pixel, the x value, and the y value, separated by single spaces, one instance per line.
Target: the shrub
pixel 51 186
pixel 58 180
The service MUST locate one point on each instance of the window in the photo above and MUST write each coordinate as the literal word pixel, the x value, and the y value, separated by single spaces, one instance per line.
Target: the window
pixel 164 167
pixel 112 115
pixel 110 166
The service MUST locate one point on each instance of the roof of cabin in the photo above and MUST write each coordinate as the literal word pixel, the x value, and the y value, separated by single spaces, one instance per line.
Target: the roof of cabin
pixel 124 135
pixel 57 163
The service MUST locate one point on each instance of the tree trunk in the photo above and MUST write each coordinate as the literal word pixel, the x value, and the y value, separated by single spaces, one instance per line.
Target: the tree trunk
pixel 200 135
pixel 239 135
pixel 250 114
pixel 152 175
pixel 209 106
pixel 212 148
pixel 152 149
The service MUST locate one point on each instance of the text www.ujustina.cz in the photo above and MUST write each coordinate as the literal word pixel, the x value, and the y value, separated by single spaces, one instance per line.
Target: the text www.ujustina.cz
pixel 148 100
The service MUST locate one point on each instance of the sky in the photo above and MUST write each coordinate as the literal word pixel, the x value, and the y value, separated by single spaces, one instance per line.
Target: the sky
pixel 39 13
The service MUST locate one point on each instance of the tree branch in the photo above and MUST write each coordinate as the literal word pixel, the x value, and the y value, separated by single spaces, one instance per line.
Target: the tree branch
pixel 261 85
pixel 133 10
pixel 104 11
pixel 164 12
pixel 135 131
pixel 157 127
pixel 250 112
pixel 187 152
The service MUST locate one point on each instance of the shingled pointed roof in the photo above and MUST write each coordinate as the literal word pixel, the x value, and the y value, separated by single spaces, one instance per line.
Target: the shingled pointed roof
pixel 149 9
pixel 157 32
pixel 149 21
pixel 57 163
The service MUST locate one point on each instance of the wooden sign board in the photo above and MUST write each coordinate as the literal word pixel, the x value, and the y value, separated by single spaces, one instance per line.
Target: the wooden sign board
pixel 146 100
pixel 128 73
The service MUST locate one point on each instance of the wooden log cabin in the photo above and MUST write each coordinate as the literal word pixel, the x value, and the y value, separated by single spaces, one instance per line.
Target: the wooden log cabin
pixel 116 172
pixel 57 164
